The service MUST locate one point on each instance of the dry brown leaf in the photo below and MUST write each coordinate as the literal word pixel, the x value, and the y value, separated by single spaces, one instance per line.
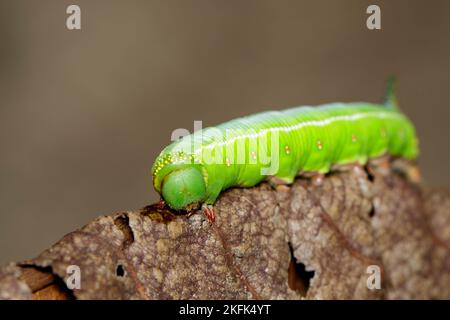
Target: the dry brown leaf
pixel 302 241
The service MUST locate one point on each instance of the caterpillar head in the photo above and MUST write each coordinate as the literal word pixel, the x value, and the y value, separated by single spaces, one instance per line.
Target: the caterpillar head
pixel 184 188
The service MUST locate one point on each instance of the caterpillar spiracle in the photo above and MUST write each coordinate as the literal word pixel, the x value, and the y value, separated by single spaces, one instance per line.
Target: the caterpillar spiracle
pixel 195 169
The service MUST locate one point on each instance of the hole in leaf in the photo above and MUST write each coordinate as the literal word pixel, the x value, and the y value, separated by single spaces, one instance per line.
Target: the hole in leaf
pixel 372 211
pixel 123 223
pixel 120 271
pixel 299 278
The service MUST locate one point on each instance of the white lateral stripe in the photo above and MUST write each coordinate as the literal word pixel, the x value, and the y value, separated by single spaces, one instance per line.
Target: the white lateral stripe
pixel 312 123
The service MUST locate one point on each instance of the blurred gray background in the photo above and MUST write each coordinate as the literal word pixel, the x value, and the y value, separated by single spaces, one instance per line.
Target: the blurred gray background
pixel 83 114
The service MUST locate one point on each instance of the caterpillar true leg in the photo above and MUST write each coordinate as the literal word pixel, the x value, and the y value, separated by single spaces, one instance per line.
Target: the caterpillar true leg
pixel 161 204
pixel 209 213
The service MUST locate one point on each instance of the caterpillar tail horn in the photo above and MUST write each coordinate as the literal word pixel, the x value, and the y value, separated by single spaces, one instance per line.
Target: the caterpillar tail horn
pixel 390 99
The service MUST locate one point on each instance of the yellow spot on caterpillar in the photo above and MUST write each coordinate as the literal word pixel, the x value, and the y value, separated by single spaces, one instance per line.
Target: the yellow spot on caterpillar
pixel 287 150
pixel 253 155
pixel 354 138
pixel 319 145
pixel 228 162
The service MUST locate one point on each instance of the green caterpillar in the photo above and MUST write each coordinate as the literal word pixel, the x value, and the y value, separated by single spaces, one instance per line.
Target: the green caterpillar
pixel 282 144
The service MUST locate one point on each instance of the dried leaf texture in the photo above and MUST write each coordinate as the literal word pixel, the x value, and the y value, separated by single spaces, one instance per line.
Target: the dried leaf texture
pixel 296 242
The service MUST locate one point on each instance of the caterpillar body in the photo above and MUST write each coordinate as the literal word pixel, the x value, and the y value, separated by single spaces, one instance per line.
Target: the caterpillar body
pixel 283 144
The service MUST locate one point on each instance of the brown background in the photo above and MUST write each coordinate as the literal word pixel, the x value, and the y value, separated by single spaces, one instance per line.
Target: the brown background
pixel 83 114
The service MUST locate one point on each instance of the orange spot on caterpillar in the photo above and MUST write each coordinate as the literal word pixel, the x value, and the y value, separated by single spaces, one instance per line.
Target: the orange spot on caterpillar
pixel 319 145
